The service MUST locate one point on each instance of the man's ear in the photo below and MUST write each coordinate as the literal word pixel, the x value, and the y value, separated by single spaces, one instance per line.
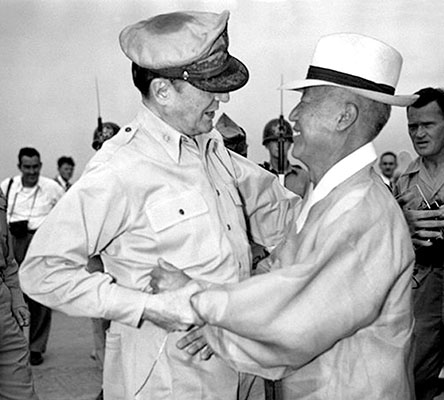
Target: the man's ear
pixel 160 90
pixel 347 117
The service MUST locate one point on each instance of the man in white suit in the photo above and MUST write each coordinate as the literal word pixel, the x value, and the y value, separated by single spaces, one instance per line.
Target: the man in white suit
pixel 333 318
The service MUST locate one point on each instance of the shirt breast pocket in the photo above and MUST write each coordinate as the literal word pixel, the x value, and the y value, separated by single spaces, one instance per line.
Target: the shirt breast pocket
pixel 177 210
pixel 185 232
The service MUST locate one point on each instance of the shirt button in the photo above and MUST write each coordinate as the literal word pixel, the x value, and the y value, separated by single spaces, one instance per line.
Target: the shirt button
pixel 128 129
pixel 181 212
pixel 166 138
pixel 229 227
pixel 217 192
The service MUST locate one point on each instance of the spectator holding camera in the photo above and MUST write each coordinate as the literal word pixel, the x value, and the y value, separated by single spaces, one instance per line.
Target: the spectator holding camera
pixel 30 197
pixel 420 192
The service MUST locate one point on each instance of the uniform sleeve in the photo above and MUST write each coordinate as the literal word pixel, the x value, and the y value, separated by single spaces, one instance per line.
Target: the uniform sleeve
pixel 274 323
pixel 88 217
pixel 269 207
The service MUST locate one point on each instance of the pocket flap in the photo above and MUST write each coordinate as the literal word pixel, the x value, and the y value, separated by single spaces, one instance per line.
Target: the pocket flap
pixel 175 210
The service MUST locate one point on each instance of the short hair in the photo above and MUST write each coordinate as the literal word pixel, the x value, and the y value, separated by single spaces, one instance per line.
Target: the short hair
pixel 428 95
pixel 142 78
pixel 388 153
pixel 27 152
pixel 375 115
pixel 65 160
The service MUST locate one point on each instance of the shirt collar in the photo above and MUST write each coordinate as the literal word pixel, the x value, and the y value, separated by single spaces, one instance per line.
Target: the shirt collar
pixel 385 179
pixel 61 180
pixel 168 137
pixel 20 186
pixel 337 174
pixel 414 166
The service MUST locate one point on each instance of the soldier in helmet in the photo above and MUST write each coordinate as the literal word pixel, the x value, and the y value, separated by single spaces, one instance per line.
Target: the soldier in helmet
pixel 109 129
pixel 234 136
pixel 296 178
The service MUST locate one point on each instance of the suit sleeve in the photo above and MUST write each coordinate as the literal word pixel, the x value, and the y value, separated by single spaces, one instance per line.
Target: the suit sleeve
pixel 274 323
pixel 269 207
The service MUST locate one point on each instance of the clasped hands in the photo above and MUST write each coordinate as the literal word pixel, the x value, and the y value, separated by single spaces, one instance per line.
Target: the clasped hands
pixel 171 309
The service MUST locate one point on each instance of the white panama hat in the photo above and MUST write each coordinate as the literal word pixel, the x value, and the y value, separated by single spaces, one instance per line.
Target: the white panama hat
pixel 359 63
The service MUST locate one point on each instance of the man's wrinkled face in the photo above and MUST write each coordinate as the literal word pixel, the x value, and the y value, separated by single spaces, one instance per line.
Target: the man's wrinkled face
pixel 388 165
pixel 194 110
pixel 314 120
pixel 426 129
pixel 30 168
pixel 66 171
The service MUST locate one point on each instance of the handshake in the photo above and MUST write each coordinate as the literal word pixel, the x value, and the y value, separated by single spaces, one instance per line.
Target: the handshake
pixel 171 307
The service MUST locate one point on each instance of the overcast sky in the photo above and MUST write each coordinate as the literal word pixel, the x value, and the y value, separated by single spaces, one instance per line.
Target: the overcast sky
pixel 51 51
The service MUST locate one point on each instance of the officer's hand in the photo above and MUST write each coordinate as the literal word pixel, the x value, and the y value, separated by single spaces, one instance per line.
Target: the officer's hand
pixel 172 310
pixel 167 277
pixel 22 315
pixel 425 226
pixel 194 343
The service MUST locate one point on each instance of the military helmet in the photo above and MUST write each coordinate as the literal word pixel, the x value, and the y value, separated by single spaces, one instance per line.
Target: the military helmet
pixel 109 129
pixel 272 131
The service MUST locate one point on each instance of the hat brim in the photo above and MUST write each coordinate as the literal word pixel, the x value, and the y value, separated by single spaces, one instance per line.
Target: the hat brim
pixel 232 78
pixel 394 100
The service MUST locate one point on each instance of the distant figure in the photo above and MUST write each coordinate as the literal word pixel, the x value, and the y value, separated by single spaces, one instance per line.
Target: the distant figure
pixel 65 166
pixel 109 129
pixel 387 164
pixel 15 372
pixel 234 136
pixel 30 198
pixel 296 178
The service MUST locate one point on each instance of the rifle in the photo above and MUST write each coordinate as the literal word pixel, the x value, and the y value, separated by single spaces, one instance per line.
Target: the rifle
pixel 99 119
pixel 98 132
pixel 282 161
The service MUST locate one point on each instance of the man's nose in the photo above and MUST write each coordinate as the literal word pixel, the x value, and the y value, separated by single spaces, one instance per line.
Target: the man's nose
pixel 294 114
pixel 222 97
pixel 421 131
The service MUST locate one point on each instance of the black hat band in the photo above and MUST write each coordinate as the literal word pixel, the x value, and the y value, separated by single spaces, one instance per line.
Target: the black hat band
pixel 341 78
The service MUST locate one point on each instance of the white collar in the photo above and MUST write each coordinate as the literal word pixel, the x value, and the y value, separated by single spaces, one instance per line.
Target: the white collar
pixel 18 181
pixel 337 174
pixel 385 179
